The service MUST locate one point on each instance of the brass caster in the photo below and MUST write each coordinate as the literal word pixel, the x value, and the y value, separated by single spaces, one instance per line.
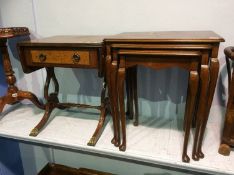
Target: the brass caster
pixel 92 141
pixel 34 132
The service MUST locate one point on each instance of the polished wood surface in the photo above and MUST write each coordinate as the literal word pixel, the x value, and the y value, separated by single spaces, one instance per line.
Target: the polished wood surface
pixel 13 94
pixel 68 41
pixel 70 52
pixel 227 140
pixel 205 42
pixel 167 36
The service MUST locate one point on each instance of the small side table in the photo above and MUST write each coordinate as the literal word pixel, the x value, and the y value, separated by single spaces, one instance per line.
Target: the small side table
pixel 227 139
pixel 13 94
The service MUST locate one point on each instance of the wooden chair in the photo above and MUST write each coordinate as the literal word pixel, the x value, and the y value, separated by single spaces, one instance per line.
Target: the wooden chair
pixel 227 139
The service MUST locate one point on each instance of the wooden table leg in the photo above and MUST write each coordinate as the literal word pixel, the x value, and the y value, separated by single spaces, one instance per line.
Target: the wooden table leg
pixel 13 94
pixel 213 76
pixel 49 108
pixel 121 77
pixel 104 109
pixel 135 97
pixel 129 92
pixel 52 101
pixel 204 75
pixel 190 107
pixel 132 99
pixel 110 93
pixel 114 71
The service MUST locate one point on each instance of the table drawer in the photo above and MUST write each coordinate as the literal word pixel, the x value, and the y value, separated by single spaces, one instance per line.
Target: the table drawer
pixel 63 58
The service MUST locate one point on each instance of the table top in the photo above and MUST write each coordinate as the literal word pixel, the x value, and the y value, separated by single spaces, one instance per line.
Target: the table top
pixel 97 40
pixel 13 32
pixel 166 36
pixel 67 40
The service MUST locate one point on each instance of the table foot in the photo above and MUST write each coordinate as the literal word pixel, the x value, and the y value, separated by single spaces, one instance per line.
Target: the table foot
pixel 49 108
pixel 92 141
pixel 185 158
pixel 122 147
pixel 224 149
pixel 34 132
pixel 115 142
pixel 195 157
pixel 135 123
pixel 99 129
pixel 200 154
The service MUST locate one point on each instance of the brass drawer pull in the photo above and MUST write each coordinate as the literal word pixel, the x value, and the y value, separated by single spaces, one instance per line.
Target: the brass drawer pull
pixel 76 57
pixel 42 57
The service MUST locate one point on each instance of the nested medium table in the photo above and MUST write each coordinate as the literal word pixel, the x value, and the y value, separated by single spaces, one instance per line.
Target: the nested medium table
pixel 13 95
pixel 135 46
pixel 68 52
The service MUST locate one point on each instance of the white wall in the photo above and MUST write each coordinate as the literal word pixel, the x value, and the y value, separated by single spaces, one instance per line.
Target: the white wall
pixel 91 17
pixel 62 17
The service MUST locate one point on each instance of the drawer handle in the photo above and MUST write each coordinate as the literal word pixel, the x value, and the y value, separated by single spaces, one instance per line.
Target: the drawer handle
pixel 76 57
pixel 42 57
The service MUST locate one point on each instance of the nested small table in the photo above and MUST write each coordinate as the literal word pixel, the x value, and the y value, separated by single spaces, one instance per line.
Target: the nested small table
pixel 13 95
pixel 141 44
pixel 68 52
